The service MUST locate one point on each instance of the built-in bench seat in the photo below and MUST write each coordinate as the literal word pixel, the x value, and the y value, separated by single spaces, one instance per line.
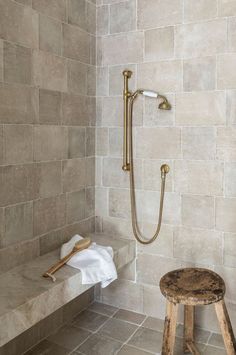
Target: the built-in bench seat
pixel 26 297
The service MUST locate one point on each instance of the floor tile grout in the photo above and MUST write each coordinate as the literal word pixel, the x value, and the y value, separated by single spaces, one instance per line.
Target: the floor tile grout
pixel 121 343
pixel 126 342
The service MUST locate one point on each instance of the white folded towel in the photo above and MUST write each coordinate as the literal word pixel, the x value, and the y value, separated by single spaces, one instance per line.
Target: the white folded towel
pixel 95 263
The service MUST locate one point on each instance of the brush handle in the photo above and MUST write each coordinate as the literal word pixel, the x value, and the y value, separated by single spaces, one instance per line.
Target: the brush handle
pixel 84 245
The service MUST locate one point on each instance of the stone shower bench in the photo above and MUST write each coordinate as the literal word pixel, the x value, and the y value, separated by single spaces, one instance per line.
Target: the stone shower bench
pixel 26 297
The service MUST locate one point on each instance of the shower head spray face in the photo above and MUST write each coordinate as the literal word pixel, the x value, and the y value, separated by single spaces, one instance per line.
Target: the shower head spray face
pixel 165 105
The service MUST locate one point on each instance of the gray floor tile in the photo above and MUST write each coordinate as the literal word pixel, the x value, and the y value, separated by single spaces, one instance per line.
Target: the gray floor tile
pixel 98 345
pixel 48 348
pixel 201 335
pixel 69 337
pixel 211 350
pixel 216 340
pixel 90 320
pixel 104 309
pixel 129 350
pixel 129 316
pixel 118 329
pixel 179 346
pixel 154 324
pixel 147 339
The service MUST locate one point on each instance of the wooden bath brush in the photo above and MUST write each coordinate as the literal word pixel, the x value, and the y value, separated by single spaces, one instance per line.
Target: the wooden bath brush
pixel 80 245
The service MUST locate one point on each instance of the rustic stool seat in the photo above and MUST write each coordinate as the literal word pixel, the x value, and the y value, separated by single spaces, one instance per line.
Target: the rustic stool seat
pixel 193 287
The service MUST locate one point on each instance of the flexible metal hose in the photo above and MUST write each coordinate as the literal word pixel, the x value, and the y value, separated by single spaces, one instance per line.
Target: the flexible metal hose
pixel 137 233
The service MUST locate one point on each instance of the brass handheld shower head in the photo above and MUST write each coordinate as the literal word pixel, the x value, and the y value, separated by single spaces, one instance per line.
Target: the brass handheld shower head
pixel 164 105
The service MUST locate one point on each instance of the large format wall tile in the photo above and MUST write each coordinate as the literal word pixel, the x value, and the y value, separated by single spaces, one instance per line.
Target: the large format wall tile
pixel 188 179
pixel 159 44
pixel 119 203
pixel 198 246
pixel 10 256
pixel 164 76
pixel 18 144
pixel 75 110
pixel 19 183
pixel 229 249
pixel 49 214
pixel 53 8
pixel 200 74
pixel 50 35
pixel 122 17
pixel 159 13
pixel 76 44
pixel 18 104
pixel 201 10
pixel 147 274
pixel 50 111
pixel 49 71
pixel 1 60
pixel 77 77
pixel 158 143
pixel 226 78
pixel 18 24
pixel 201 39
pixel 102 20
pixel 74 174
pixel 227 8
pixel 198 211
pixel 50 179
pixel 230 185
pixel 76 142
pixel 199 143
pixel 225 214
pixel 49 143
pixel 75 206
pixel 17 64
pixel 124 294
pixel 82 14
pixel 18 223
pixel 188 113
pixel 226 143
pixel 232 34
pixel 132 43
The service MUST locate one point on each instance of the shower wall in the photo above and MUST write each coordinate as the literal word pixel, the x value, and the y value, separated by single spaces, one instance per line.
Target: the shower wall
pixel 187 51
pixel 47 125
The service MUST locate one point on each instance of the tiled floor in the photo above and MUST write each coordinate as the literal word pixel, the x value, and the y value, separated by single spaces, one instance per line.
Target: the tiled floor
pixel 106 330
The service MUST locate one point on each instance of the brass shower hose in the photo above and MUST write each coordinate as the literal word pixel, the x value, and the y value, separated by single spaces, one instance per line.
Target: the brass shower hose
pixel 164 170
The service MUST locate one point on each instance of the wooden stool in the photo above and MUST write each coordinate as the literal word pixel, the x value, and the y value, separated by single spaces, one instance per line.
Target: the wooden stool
pixel 193 287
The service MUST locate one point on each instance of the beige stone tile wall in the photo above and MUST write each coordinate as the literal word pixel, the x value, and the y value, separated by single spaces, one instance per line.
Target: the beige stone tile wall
pixel 185 49
pixel 47 125
pixel 61 119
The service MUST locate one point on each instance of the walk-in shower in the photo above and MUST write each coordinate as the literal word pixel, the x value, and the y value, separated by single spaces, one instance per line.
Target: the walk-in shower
pixel 128 164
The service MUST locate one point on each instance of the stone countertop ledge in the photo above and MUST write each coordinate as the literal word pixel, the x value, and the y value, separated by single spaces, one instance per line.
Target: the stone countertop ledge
pixel 26 297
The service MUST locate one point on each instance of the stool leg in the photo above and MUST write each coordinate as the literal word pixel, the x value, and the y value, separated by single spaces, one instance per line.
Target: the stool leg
pixel 226 327
pixel 169 329
pixel 188 326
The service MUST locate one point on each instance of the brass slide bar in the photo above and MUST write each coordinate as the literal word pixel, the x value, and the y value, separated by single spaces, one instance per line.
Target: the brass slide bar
pixel 128 161
pixel 126 95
